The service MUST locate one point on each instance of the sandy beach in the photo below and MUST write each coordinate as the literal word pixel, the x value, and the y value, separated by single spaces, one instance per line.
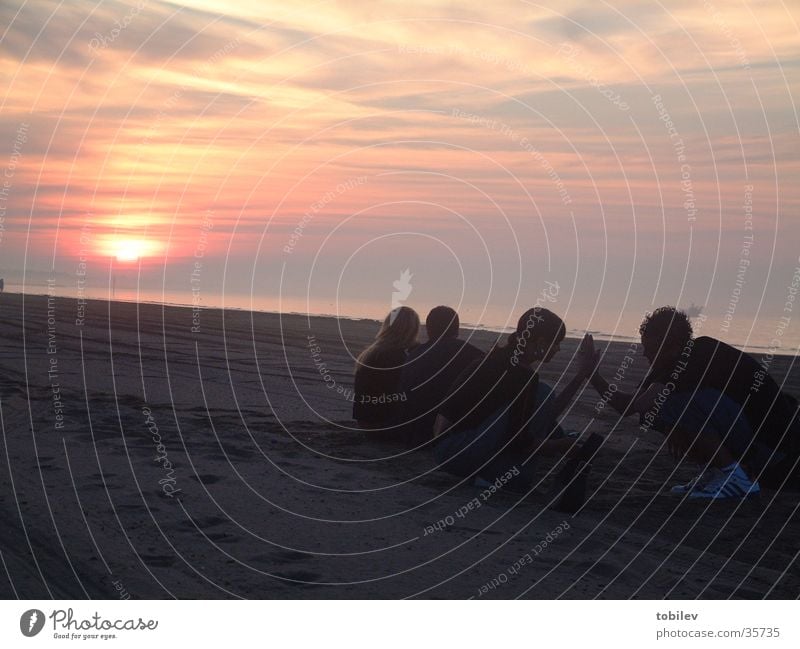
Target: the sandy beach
pixel 157 452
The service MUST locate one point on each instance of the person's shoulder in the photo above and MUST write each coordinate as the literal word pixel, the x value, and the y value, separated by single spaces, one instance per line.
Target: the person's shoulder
pixel 467 348
pixel 478 365
pixel 455 347
pixel 706 345
pixel 460 349
pixel 713 344
pixel 388 357
pixel 707 341
pixel 477 371
pixel 418 350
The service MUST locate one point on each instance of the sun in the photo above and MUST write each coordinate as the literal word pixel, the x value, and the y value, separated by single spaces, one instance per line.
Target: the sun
pixel 130 250
pixel 127 248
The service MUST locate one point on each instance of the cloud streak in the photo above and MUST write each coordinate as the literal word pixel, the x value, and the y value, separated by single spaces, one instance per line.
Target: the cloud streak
pixel 145 115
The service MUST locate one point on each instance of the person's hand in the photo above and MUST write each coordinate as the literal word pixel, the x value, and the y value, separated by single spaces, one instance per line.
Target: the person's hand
pixel 588 358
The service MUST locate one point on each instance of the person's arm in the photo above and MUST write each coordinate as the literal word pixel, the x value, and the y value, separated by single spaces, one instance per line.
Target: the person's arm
pixel 587 363
pixel 590 359
pixel 620 401
pixel 565 397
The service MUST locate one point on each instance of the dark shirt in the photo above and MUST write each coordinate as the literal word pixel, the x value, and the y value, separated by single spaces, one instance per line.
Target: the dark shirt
pixel 710 363
pixel 426 379
pixel 376 391
pixel 487 385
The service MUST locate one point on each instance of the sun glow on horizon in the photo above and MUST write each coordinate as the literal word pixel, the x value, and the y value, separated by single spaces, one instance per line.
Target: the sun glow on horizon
pixel 488 148
pixel 129 250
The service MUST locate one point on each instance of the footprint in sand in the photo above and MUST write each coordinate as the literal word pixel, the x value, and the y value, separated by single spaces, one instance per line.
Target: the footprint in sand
pixel 104 485
pixel 99 476
pixel 475 530
pixel 206 478
pixel 599 569
pixel 285 555
pixel 301 578
pixel 205 523
pixel 157 560
pixel 231 453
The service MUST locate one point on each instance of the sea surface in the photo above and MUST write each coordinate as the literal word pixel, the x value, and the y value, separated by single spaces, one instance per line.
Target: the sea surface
pixel 761 335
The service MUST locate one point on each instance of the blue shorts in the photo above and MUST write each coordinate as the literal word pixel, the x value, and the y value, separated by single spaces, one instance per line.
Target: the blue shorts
pixel 480 451
pixel 709 411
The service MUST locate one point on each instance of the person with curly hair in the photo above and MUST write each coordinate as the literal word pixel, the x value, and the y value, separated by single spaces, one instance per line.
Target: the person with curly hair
pixel 717 406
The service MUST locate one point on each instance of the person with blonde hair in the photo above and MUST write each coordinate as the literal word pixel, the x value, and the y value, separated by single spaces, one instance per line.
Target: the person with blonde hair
pixel 379 367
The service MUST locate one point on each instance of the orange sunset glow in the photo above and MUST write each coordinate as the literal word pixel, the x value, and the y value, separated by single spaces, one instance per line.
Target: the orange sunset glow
pixel 129 250
pixel 489 149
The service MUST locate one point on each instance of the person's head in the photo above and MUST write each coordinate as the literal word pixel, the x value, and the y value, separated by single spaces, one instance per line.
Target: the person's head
pixel 442 322
pixel 665 333
pixel 399 330
pixel 537 338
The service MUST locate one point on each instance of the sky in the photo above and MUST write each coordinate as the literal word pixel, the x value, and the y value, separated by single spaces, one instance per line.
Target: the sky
pixel 605 158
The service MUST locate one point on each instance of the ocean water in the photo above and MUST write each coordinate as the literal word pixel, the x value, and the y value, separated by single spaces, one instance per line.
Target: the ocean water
pixel 760 336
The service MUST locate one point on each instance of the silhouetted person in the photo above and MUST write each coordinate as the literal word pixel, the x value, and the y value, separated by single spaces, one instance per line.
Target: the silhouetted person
pixel 430 371
pixel 498 414
pixel 718 407
pixel 2 285
pixel 378 369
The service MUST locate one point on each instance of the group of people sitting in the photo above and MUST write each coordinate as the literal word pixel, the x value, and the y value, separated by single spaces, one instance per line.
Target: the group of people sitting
pixel 485 414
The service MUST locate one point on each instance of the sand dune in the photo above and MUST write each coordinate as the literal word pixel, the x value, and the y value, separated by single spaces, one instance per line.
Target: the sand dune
pixel 219 463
